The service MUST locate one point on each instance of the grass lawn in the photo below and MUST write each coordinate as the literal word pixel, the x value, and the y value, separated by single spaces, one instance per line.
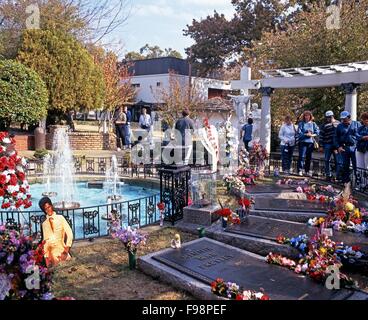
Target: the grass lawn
pixel 99 271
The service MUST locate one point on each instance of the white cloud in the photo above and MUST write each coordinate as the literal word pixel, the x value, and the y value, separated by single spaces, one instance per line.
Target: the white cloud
pixel 206 3
pixel 158 8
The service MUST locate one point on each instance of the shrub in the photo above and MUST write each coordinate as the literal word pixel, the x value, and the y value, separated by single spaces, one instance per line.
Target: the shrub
pixel 23 94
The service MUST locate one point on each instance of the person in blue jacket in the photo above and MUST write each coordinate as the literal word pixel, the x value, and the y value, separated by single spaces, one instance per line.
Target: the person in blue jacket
pixel 346 140
pixel 308 131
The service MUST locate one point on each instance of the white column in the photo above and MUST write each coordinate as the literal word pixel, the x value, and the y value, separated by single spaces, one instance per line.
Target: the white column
pixel 351 99
pixel 266 118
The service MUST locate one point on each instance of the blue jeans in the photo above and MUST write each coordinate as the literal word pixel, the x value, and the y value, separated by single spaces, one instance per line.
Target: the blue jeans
pixel 305 156
pixel 127 140
pixel 287 157
pixel 246 144
pixel 347 157
pixel 329 151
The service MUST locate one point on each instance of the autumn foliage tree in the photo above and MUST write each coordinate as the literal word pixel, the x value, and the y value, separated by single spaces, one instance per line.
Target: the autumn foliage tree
pixel 117 78
pixel 73 79
pixel 310 41
pixel 179 94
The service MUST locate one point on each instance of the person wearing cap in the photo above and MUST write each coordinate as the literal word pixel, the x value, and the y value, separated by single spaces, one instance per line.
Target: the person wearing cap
pixel 308 131
pixel 326 140
pixel 362 146
pixel 346 139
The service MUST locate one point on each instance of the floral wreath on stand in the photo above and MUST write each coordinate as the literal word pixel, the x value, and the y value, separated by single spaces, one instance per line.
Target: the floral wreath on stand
pixel 211 136
pixel 14 188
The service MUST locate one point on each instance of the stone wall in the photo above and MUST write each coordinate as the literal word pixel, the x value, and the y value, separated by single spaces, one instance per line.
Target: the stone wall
pixel 87 141
pixel 25 142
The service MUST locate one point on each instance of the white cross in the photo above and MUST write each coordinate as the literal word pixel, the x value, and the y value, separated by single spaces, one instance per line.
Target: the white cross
pixel 245 83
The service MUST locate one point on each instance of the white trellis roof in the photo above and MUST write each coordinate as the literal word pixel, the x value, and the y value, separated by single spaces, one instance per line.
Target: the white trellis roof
pixel 314 77
pixel 313 71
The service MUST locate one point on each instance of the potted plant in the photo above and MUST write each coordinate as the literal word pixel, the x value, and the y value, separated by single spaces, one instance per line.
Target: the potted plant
pixel 132 239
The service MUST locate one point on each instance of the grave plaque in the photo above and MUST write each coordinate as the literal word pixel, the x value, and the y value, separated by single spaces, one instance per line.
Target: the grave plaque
pixel 206 260
pixel 268 188
pixel 290 205
pixel 270 229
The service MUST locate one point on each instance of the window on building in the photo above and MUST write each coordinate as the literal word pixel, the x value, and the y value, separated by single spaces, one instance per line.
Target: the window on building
pixel 158 84
pixel 136 85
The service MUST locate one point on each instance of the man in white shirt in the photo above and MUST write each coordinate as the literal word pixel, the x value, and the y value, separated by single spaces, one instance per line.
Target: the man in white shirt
pixel 145 121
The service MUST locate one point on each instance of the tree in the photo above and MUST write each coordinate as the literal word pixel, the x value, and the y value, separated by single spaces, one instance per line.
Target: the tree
pixel 23 95
pixel 219 41
pixel 151 52
pixel 309 42
pixel 86 21
pixel 118 87
pixel 73 79
pixel 177 96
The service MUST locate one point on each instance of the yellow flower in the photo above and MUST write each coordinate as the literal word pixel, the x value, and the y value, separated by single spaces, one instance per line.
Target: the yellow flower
pixel 357 214
pixel 349 207
pixel 323 251
pixel 321 220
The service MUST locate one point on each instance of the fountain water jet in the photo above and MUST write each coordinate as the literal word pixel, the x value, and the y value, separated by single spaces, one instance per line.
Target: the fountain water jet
pixel 48 174
pixel 64 170
pixel 112 180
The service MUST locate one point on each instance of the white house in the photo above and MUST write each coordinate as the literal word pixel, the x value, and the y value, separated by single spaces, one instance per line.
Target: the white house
pixel 151 76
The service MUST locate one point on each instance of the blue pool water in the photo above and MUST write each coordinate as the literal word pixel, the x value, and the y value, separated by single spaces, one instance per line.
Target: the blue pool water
pixel 89 197
pixel 137 207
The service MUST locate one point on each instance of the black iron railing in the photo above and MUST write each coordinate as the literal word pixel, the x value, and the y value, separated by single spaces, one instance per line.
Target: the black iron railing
pixel 90 222
pixel 99 165
pixel 359 179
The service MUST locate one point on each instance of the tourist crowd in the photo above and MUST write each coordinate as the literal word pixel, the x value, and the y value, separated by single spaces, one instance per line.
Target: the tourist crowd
pixel 346 142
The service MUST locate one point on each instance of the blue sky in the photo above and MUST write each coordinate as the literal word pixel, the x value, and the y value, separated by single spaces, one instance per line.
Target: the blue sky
pixel 161 22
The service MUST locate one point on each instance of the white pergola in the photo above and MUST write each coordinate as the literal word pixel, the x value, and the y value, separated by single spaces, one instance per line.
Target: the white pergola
pixel 348 76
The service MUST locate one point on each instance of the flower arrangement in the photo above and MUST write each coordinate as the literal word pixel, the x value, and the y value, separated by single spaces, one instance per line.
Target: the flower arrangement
pixel 210 135
pixel 132 239
pixel 258 156
pixel 232 291
pixel 245 205
pixel 244 162
pixel 227 131
pixel 14 188
pixel 248 176
pixel 317 255
pixel 161 207
pixel 345 254
pixel 325 194
pixel 233 183
pixel 292 182
pixel 228 215
pixel 345 216
pixel 19 258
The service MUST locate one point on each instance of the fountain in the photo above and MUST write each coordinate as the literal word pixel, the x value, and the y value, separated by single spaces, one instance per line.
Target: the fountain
pixel 48 169
pixel 63 170
pixel 112 181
